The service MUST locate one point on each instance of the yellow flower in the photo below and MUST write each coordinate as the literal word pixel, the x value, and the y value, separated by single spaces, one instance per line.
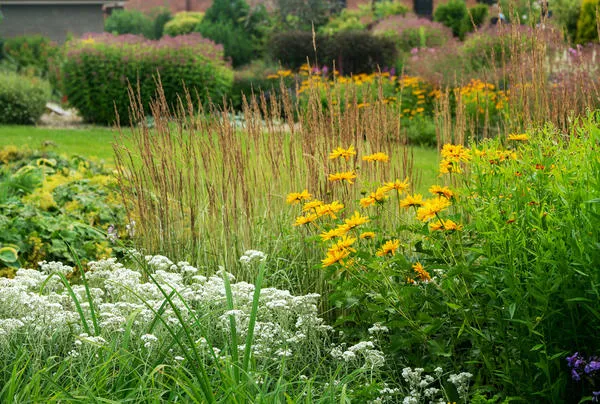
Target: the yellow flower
pixel 389 248
pixel 377 157
pixel 329 209
pixel 345 243
pixel 356 220
pixel 398 185
pixel 295 197
pixel 328 235
pixel 441 191
pixel 303 220
pixel 519 138
pixel 312 205
pixel 334 257
pixel 421 272
pixel 348 176
pixel 412 200
pixel 374 197
pixel 432 207
pixel 456 153
pixel 340 152
pixel 367 235
pixel 447 167
pixel 447 225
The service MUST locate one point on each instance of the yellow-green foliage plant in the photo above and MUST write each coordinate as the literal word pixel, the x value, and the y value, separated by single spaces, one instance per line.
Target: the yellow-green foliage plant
pixel 587 24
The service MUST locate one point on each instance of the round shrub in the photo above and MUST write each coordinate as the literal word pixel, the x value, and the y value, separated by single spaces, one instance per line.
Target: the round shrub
pixel 22 99
pixel 183 23
pixel 129 22
pixel 98 70
pixel 477 15
pixel 453 15
pixel 414 32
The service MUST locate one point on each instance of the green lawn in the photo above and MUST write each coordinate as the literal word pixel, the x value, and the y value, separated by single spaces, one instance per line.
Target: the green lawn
pixel 97 142
pixel 90 142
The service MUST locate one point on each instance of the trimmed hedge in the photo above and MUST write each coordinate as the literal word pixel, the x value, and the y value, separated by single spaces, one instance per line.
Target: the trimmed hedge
pixel 22 99
pixel 97 72
pixel 351 51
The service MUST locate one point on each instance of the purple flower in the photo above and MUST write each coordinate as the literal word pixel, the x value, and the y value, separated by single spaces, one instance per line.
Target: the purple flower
pixel 592 367
pixel 571 359
pixel 596 396
pixel 325 70
pixel 575 375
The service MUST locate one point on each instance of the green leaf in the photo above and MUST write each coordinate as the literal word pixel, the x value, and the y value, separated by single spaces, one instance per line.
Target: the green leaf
pixel 9 254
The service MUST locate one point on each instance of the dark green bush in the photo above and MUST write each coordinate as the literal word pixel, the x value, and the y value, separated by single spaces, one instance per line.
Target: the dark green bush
pixel 478 16
pixel 454 15
pixel 129 22
pixel 98 70
pixel 31 53
pixel 161 17
pixel 22 99
pixel 238 28
pixel 351 51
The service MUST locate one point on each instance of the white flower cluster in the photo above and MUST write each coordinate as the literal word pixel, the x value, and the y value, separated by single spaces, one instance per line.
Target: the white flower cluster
pixel 287 326
pixel 251 256
pixel 424 388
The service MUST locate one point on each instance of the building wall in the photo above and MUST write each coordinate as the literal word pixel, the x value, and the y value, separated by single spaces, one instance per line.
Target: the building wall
pixel 53 21
pixel 174 5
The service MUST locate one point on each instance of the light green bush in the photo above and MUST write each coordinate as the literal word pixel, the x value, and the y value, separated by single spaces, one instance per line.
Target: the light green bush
pixel 587 25
pixel 22 99
pixel 183 23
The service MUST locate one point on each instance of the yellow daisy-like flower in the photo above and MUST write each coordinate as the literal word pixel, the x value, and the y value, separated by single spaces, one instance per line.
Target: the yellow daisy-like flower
pixel 398 185
pixel 329 209
pixel 304 220
pixel 519 137
pixel 345 243
pixel 441 191
pixel 340 152
pixel 412 200
pixel 367 235
pixel 312 205
pixel 328 235
pixel 356 220
pixel 447 225
pixel 295 197
pixel 334 257
pixel 382 157
pixel 374 197
pixel 389 248
pixel 421 272
pixel 347 176
pixel 432 207
pixel 447 167
pixel 455 153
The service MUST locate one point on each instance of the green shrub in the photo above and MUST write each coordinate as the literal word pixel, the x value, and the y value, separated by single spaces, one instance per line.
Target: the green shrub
pixel 388 8
pixel 304 14
pixel 414 32
pixel 453 14
pixel 351 52
pixel 566 14
pixel 161 17
pixel 237 27
pixel 129 22
pixel 587 25
pixel 22 99
pixel 31 54
pixel 477 16
pixel 183 23
pixel 347 20
pixel 97 71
